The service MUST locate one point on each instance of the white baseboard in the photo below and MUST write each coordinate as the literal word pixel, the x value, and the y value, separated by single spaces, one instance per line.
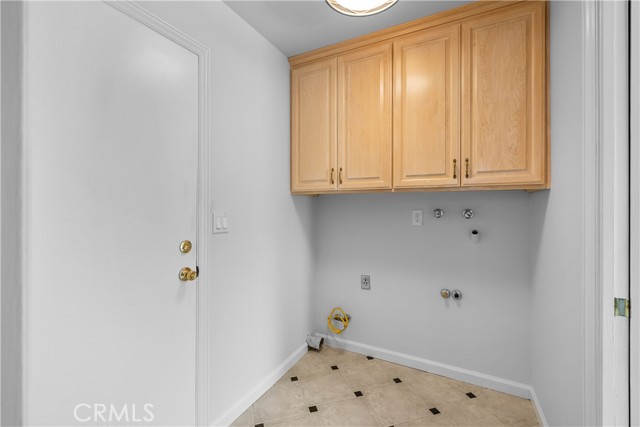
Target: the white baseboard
pixel 536 404
pixel 244 403
pixel 461 374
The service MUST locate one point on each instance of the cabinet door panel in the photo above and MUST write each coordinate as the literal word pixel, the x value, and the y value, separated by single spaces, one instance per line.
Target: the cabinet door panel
pixel 364 118
pixel 504 123
pixel 426 109
pixel 313 127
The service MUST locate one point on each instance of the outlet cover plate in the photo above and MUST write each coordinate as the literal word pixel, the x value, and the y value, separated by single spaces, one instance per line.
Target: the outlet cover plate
pixel 417 216
pixel 365 282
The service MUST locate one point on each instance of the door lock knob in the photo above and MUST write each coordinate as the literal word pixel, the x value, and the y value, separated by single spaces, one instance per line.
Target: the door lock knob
pixel 185 246
pixel 186 274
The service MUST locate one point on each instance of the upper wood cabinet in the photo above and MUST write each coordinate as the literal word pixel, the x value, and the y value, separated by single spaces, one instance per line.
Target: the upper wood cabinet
pixel 455 101
pixel 364 118
pixel 341 122
pixel 426 108
pixel 313 126
pixel 504 97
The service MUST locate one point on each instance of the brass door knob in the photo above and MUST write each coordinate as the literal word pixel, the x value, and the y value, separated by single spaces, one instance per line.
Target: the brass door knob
pixel 186 274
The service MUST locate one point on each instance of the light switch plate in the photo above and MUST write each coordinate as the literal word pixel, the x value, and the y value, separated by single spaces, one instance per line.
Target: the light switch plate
pixel 220 223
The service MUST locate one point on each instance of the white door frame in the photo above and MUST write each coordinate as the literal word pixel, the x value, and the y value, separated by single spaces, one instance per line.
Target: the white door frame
pixel 634 93
pixel 12 209
pixel 0 213
pixel 591 262
pixel 203 246
pixel 601 69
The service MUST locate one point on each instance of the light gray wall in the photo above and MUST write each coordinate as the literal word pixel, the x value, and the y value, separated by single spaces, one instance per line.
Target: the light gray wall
pixel 11 210
pixel 487 332
pixel 556 234
pixel 262 268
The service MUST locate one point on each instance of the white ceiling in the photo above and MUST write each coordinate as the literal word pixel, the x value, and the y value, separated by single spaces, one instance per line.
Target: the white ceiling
pixel 296 26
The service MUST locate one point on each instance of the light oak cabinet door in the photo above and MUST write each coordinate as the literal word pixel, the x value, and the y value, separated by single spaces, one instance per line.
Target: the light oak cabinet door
pixel 426 109
pixel 313 127
pixel 504 97
pixel 364 118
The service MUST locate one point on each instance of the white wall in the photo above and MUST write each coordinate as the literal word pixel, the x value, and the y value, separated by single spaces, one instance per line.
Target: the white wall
pixel 522 314
pixel 556 234
pixel 488 331
pixel 262 268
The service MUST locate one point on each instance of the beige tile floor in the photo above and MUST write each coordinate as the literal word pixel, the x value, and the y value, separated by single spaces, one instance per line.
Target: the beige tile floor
pixel 338 388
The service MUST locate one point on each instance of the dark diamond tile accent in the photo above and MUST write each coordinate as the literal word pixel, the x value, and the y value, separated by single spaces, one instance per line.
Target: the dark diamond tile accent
pixel 313 409
pixel 294 378
pixel 434 411
pixel 334 367
pixel 358 393
pixel 471 395
pixel 397 380
pixel 260 425
pixel 369 357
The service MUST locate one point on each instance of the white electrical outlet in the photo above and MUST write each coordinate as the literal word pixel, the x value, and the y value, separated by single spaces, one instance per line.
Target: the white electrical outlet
pixel 417 217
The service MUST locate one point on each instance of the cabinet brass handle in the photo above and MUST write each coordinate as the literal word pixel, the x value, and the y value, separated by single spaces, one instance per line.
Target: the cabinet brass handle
pixel 340 176
pixel 466 161
pixel 333 181
pixel 454 169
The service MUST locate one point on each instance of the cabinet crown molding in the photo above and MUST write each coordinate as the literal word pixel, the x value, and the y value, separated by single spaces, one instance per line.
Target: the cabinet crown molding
pixel 445 17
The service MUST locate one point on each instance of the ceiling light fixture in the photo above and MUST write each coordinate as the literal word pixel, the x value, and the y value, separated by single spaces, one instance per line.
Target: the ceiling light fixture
pixel 360 7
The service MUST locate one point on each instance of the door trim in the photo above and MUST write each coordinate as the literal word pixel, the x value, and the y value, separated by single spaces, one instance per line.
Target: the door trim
pixel 591 215
pixel 12 208
pixel 203 247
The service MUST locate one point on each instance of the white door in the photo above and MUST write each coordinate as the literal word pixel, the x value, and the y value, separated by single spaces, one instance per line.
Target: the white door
pixel 614 206
pixel 616 201
pixel 635 210
pixel 111 177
